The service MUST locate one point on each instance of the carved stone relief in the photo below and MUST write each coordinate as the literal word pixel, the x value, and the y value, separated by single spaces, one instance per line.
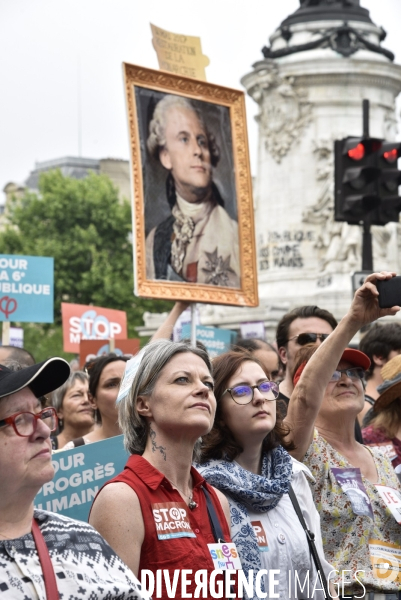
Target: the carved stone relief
pixel 284 110
pixel 390 124
pixel 338 244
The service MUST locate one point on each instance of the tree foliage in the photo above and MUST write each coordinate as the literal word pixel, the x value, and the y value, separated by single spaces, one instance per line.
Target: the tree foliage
pixel 86 228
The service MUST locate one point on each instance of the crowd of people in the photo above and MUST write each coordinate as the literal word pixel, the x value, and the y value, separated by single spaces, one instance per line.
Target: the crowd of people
pixel 259 452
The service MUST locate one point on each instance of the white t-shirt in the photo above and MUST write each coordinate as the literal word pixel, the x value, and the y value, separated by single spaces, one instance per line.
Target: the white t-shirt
pixel 283 544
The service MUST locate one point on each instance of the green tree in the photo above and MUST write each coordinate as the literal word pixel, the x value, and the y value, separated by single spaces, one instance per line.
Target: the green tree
pixel 86 228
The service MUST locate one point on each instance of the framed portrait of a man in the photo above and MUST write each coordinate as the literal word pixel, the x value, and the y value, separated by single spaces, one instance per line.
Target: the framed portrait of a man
pixel 192 197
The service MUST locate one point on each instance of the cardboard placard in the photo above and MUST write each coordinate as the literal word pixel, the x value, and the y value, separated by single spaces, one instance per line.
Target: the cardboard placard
pixel 181 54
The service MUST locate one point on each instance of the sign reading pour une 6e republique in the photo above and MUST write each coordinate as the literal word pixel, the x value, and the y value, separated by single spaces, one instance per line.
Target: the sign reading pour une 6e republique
pixel 26 288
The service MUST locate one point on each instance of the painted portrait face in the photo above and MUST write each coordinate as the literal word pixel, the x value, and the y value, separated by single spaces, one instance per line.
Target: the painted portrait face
pixel 186 154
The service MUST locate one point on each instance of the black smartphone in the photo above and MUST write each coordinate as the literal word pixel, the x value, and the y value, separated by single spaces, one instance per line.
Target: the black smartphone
pixel 389 292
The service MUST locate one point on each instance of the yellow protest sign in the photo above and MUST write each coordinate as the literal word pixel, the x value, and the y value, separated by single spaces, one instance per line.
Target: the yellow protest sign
pixel 181 54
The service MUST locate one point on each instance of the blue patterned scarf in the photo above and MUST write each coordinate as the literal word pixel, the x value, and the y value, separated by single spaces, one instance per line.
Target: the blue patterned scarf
pixel 245 490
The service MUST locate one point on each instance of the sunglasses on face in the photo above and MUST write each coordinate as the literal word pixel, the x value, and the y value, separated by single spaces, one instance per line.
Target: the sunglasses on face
pixel 309 338
pixel 356 373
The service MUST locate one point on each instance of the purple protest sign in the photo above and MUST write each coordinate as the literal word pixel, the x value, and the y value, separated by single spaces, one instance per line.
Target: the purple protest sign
pixel 350 481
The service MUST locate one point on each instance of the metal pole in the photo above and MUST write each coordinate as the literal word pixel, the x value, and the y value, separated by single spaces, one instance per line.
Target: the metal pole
pixel 367 254
pixel 365 118
pixel 193 324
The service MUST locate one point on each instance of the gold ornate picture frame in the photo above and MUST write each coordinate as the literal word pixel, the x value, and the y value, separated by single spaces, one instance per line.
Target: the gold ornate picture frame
pixel 193 223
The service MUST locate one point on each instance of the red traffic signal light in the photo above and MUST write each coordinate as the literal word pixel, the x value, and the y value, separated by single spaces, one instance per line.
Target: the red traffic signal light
pixel 357 153
pixel 360 148
pixel 391 155
pixel 389 182
pixel 356 178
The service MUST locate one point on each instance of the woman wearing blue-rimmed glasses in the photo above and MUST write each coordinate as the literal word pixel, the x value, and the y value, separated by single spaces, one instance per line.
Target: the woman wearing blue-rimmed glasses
pixel 246 458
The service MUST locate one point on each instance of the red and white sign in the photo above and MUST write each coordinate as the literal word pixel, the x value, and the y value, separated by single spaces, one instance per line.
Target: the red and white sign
pixel 171 520
pixel 89 349
pixel 261 536
pixel 392 499
pixel 81 322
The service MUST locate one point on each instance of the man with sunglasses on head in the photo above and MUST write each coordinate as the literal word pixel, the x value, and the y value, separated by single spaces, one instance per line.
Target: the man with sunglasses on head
pixel 301 326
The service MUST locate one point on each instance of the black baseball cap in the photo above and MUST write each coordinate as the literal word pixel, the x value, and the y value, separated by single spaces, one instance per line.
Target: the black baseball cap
pixel 42 378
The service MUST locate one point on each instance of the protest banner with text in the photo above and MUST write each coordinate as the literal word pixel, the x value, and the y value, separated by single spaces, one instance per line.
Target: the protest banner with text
pixel 79 475
pixel 26 288
pixel 216 340
pixel 82 322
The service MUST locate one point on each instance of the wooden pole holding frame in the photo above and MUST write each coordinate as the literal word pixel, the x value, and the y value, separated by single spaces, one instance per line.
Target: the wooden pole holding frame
pixel 5 337
pixel 193 324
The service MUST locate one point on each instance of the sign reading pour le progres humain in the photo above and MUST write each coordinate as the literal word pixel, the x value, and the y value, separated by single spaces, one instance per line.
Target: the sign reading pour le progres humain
pixel 79 474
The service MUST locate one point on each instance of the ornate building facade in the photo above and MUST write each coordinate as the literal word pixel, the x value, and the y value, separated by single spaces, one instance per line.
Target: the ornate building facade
pixel 322 61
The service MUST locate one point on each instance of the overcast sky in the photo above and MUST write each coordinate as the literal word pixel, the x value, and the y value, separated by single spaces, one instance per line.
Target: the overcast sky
pixel 45 44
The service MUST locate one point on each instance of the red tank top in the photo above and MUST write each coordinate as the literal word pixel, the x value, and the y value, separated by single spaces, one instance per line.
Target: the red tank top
pixel 175 536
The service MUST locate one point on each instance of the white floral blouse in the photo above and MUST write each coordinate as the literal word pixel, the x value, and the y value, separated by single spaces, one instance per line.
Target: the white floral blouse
pixel 356 543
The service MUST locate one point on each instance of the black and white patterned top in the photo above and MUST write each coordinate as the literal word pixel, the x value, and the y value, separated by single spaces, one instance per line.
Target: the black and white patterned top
pixel 86 567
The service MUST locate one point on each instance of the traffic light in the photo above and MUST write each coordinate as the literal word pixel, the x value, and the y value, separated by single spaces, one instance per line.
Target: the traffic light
pixel 356 178
pixel 389 181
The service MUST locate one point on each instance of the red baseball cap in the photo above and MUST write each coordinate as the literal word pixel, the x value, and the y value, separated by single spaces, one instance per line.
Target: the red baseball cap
pixel 355 357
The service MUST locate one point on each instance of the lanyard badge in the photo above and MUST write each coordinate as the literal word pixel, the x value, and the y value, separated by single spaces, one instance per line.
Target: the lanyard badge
pixel 350 481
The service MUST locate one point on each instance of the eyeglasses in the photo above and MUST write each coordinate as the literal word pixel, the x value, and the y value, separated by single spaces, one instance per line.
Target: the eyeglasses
pixel 243 394
pixel 25 423
pixel 354 373
pixel 309 338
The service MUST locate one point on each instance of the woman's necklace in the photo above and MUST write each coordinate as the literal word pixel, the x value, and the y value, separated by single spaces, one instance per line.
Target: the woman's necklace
pixel 191 504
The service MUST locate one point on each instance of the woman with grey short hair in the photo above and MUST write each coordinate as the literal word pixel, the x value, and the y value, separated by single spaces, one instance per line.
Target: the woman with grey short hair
pixel 74 410
pixel 170 404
